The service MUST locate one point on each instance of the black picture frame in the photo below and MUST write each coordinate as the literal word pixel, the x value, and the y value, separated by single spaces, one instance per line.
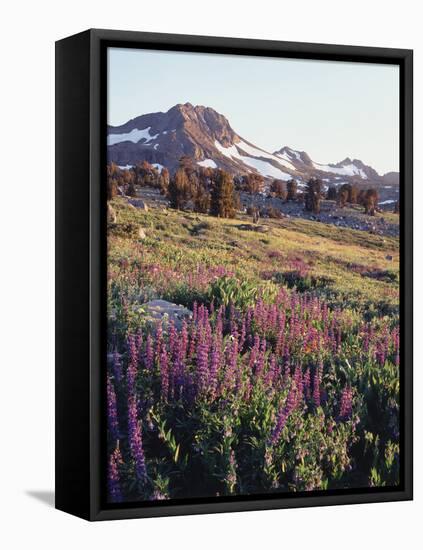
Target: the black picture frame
pixel 81 256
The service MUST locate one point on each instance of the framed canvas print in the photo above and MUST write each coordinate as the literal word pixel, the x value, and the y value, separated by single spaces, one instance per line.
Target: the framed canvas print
pixel 234 274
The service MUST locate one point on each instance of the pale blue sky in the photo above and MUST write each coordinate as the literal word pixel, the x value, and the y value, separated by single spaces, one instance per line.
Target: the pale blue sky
pixel 331 110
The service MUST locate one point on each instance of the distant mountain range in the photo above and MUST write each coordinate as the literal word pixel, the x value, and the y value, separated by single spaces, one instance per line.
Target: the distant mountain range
pixel 206 136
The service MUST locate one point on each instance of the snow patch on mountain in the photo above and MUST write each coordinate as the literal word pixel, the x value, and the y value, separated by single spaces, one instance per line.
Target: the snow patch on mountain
pixel 134 135
pixel 207 163
pixel 263 167
pixel 294 153
pixel 344 170
pixel 284 159
pixel 390 201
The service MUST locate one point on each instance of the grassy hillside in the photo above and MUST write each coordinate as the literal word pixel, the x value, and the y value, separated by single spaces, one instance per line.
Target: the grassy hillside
pixel 350 266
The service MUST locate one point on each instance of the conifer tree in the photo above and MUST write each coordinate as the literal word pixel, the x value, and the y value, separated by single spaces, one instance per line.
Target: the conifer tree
pixel 223 199
pixel 313 195
pixel 178 190
pixel 291 188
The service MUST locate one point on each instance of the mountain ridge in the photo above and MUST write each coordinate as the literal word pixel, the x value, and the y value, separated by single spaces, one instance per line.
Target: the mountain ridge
pixel 207 136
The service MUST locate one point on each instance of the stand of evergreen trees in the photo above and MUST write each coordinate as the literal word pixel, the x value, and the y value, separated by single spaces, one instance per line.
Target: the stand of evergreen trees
pixel 216 192
pixel 206 190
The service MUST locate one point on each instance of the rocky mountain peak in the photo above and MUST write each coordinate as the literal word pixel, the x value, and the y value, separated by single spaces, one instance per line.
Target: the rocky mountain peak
pixel 207 136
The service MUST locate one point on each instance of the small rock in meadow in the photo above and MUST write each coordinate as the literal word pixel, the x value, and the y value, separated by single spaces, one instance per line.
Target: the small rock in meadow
pixel 111 214
pixel 162 310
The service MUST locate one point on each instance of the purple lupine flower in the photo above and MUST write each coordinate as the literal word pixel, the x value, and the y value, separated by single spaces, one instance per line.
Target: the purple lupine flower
pixel 192 341
pixel 260 358
pixel 281 419
pixel 298 382
pixel 280 342
pixel 149 354
pixel 113 477
pixel 202 316
pixel 138 343
pixel 117 368
pixel 179 379
pixel 271 371
pixel 132 349
pixel 242 335
pixel 135 439
pixel 345 409
pixel 273 316
pixel 316 388
pixel 307 384
pixel 231 366
pixel 381 352
pixel 132 370
pixel 112 414
pixel 284 413
pixel 254 352
pixel 214 366
pixel 292 399
pixel 164 372
pixel 286 361
pixel 172 338
pixel 159 342
pixel 202 365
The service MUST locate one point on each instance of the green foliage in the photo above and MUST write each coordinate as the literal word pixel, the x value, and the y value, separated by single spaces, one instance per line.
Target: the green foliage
pixel 228 290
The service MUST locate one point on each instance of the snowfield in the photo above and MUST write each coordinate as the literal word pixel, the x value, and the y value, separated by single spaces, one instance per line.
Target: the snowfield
pixel 134 135
pixel 344 170
pixel 207 163
pixel 263 167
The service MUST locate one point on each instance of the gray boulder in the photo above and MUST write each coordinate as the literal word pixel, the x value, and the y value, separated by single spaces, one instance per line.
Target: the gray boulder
pixel 162 310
